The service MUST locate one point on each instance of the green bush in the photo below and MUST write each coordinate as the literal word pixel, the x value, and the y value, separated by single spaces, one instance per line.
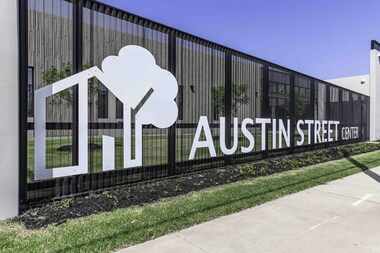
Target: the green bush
pixel 273 165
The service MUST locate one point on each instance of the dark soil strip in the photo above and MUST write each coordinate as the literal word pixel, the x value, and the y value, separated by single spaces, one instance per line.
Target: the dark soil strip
pixel 121 197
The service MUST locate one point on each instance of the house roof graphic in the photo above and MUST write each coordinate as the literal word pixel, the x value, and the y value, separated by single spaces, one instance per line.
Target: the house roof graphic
pixel 137 81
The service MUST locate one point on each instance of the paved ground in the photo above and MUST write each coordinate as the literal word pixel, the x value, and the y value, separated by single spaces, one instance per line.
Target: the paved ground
pixel 342 216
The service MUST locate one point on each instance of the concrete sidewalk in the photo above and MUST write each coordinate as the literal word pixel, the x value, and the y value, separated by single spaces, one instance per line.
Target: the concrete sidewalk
pixel 342 216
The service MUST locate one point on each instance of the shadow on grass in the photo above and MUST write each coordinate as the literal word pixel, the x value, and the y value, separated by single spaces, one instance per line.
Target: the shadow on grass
pixel 363 167
pixel 292 187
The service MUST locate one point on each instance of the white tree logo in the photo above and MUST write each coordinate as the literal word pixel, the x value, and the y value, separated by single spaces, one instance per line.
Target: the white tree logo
pixel 147 92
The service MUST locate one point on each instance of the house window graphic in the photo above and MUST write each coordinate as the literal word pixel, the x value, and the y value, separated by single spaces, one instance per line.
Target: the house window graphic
pixel 141 86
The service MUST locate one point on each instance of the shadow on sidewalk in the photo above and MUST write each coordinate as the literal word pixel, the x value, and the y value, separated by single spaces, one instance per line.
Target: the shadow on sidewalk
pixel 363 167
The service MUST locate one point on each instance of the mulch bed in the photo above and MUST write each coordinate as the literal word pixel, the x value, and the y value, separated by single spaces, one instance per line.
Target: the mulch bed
pixel 124 196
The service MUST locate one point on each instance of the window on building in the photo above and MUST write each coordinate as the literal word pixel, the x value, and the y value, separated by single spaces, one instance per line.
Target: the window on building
pixel 357 110
pixel 217 94
pixel 345 96
pixel 30 91
pixel 302 96
pixel 279 93
pixel 334 104
pixel 320 101
pixel 347 108
pixel 119 109
pixel 102 103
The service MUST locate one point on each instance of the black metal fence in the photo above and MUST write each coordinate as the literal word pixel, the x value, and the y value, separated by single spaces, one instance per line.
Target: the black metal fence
pixel 61 37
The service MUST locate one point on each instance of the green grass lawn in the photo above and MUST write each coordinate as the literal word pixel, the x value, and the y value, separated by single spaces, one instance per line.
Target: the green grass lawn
pixel 125 227
pixel 154 151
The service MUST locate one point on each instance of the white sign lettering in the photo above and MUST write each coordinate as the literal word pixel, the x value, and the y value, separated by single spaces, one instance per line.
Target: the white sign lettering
pixel 324 131
pixel 349 133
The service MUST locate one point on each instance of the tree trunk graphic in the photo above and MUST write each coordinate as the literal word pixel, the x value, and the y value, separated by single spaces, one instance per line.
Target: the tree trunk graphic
pixel 129 161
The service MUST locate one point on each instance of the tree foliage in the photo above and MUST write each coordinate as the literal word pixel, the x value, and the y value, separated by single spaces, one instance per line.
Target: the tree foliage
pixel 54 74
pixel 239 97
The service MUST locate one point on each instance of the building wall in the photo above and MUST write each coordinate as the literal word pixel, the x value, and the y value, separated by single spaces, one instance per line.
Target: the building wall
pixel 9 97
pixel 360 84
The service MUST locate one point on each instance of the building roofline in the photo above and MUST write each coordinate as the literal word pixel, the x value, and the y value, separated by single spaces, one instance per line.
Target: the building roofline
pixel 375 45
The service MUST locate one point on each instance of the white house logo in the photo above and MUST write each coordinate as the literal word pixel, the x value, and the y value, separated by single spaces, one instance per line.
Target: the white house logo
pixel 149 92
pixel 138 82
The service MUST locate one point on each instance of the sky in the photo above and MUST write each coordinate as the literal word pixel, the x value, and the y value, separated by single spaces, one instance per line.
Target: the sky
pixel 322 38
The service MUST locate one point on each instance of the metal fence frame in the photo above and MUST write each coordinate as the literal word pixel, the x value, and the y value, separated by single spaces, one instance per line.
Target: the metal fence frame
pixel 35 192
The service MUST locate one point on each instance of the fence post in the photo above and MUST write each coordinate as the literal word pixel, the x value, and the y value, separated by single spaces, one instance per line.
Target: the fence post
pixel 265 105
pixel 340 100
pixel 368 117
pixel 351 103
pixel 328 109
pixel 77 67
pixel 292 112
pixel 328 105
pixel 172 40
pixel 23 103
pixel 313 102
pixel 228 99
pixel 362 117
